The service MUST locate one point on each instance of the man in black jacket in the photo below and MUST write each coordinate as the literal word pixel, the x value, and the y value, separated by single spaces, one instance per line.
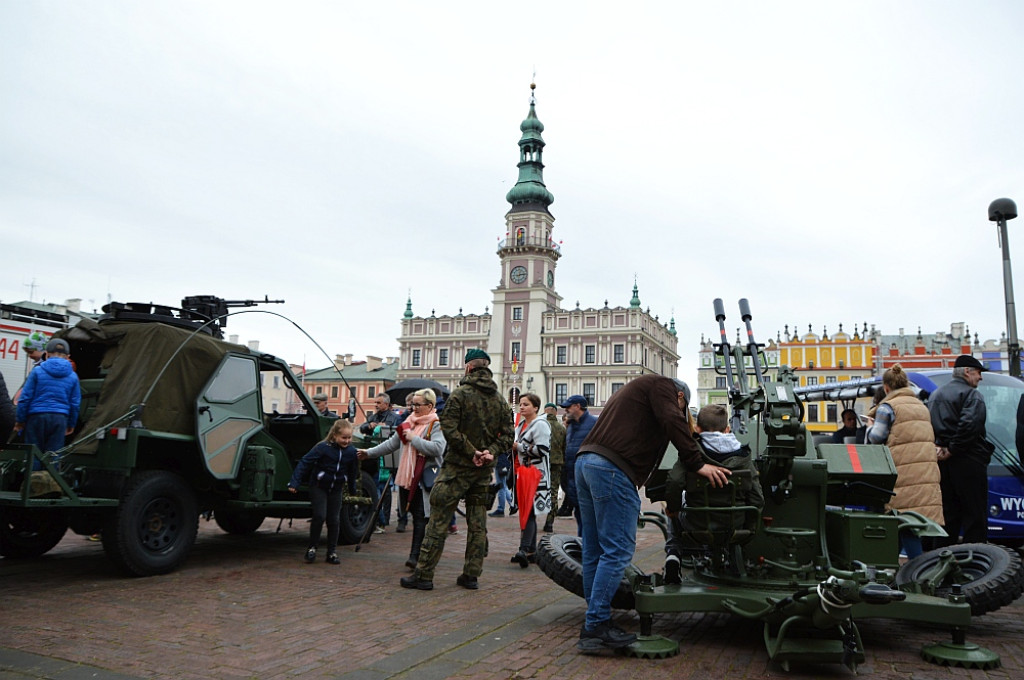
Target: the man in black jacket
pixel 958 418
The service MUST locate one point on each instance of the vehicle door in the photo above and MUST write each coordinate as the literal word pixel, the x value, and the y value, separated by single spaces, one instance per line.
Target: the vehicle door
pixel 228 414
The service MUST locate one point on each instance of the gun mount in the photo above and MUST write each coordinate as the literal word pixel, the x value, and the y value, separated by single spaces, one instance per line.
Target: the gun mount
pixel 205 312
pixel 815 553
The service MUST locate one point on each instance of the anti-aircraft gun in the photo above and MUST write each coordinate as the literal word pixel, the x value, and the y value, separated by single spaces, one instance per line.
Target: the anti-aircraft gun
pixel 207 313
pixel 820 554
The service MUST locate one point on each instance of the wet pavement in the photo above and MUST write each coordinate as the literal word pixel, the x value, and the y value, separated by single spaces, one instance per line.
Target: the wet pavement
pixel 248 607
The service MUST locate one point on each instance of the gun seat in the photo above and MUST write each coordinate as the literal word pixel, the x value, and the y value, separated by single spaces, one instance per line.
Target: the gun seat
pixel 718 517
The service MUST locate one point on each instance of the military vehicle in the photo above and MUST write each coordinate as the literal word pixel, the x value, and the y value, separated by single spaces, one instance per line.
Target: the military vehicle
pixel 172 427
pixel 819 556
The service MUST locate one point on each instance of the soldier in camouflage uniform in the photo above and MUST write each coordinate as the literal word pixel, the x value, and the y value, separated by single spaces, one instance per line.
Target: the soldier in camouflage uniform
pixel 556 458
pixel 477 423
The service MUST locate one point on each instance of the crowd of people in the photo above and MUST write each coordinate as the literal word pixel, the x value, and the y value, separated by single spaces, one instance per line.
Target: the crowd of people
pixel 473 448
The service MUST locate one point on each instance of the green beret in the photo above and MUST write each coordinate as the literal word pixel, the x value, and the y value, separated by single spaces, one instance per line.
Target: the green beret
pixel 476 354
pixel 550 405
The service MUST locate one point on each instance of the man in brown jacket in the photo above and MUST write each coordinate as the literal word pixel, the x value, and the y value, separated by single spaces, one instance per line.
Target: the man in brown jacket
pixel 615 460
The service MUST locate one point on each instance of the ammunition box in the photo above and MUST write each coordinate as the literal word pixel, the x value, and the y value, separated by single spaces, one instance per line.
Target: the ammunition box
pixel 858 474
pixel 864 537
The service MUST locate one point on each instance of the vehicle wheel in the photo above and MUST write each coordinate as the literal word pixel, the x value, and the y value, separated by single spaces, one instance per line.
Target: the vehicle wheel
pixel 155 525
pixel 30 533
pixel 238 521
pixel 356 519
pixel 559 557
pixel 991 579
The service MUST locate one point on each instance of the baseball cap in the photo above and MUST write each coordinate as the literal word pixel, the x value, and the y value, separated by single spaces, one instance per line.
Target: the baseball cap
pixel 58 346
pixel 575 399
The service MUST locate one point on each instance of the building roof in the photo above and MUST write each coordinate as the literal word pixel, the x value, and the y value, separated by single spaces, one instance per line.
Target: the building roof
pixel 354 373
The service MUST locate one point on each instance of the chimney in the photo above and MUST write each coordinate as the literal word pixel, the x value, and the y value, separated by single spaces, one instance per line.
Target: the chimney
pixel 372 363
pixel 348 359
pixel 233 339
pixel 254 345
pixel 339 361
pixel 74 305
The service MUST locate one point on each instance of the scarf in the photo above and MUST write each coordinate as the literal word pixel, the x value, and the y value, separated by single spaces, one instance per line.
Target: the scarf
pixel 407 464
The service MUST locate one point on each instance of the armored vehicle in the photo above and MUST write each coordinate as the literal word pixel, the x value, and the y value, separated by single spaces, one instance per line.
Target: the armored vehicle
pixel 816 556
pixel 172 427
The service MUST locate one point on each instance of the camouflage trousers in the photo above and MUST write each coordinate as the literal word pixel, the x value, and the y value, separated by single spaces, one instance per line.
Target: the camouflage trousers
pixel 452 485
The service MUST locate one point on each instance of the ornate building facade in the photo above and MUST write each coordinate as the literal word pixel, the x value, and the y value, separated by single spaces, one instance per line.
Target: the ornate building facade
pixel 535 345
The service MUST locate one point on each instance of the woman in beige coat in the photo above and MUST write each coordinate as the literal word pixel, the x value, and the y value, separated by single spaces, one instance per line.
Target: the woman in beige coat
pixel 902 423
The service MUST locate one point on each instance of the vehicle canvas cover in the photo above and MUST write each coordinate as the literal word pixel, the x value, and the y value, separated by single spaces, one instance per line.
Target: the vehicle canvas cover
pixel 131 364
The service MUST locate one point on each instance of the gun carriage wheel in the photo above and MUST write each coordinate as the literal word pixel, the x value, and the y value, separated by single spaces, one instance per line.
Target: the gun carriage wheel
pixel 989 575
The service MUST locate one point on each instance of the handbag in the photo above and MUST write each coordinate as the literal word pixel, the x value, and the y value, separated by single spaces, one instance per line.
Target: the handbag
pixel 429 476
pixel 430 470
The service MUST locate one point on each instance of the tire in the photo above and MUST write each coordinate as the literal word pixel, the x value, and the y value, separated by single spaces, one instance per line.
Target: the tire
pixel 239 522
pixel 356 519
pixel 155 525
pixel 991 579
pixel 30 533
pixel 559 557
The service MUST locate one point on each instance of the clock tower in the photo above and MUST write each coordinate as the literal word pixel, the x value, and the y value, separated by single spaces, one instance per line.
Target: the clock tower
pixel 528 257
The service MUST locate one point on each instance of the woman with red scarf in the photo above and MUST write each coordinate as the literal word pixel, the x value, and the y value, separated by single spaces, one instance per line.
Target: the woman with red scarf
pixel 422 444
pixel 533 479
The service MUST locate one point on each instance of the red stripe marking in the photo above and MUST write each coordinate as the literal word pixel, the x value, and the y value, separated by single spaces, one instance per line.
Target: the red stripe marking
pixel 854 458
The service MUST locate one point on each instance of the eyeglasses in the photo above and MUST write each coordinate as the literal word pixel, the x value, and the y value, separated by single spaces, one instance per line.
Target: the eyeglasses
pixel 414 404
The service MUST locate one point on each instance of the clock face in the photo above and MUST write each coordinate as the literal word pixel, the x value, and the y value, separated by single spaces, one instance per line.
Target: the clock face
pixel 551 279
pixel 518 274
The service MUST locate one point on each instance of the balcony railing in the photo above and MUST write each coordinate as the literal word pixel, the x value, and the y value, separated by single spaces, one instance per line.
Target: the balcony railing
pixel 529 242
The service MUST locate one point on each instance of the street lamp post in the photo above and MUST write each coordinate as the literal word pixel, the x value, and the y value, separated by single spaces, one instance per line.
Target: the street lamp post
pixel 999 211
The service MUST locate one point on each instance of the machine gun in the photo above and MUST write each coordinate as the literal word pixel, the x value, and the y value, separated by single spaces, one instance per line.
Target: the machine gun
pixel 207 313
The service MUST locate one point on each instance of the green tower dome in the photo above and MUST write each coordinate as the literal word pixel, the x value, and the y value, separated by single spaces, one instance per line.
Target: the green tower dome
pixel 529 191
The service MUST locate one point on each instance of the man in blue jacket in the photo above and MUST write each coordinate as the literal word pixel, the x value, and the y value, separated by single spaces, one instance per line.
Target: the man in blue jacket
pixel 48 407
pixel 581 422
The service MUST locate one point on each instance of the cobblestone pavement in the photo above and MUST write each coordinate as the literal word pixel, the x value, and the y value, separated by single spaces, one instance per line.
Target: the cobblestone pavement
pixel 248 607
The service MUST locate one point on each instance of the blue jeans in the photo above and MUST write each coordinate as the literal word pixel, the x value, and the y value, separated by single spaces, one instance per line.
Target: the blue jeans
pixel 504 495
pixel 45 430
pixel 609 510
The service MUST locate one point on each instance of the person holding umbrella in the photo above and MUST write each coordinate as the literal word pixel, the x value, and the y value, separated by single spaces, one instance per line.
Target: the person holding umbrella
pixel 533 477
pixel 422 444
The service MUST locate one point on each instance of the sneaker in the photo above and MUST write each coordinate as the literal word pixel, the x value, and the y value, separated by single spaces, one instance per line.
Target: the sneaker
pixel 453 529
pixel 333 559
pixel 311 556
pixel 467 582
pixel 400 529
pixel 605 636
pixel 497 513
pixel 416 583
pixel 513 510
pixel 380 530
pixel 673 570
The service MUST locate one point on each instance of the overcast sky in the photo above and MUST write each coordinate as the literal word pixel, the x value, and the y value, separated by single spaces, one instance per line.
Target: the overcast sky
pixel 831 161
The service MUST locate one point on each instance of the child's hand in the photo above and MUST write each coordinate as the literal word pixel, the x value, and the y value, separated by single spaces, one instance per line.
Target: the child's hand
pixel 292 489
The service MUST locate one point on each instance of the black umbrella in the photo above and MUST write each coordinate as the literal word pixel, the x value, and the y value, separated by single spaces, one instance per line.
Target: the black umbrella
pixel 400 390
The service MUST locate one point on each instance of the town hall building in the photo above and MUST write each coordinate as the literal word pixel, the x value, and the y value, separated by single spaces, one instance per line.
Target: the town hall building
pixel 534 343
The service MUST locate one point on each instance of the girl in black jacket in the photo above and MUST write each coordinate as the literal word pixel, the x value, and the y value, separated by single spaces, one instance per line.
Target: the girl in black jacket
pixel 329 466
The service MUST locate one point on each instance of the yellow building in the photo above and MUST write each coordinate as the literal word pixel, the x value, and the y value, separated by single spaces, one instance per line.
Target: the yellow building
pixel 822 359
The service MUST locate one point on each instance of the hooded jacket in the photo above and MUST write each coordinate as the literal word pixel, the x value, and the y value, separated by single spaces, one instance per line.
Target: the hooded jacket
pixel 476 418
pixel 51 387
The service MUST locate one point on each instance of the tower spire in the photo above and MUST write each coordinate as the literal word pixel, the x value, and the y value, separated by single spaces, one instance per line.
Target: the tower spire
pixel 529 191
